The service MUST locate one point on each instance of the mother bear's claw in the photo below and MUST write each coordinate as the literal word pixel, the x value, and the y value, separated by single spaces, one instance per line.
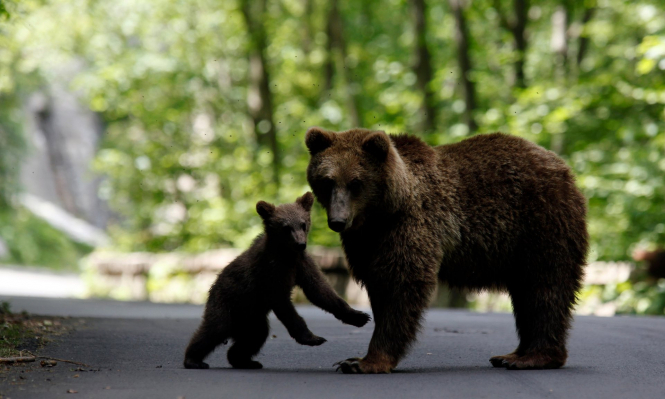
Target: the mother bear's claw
pixel 349 366
pixel 351 359
pixel 345 365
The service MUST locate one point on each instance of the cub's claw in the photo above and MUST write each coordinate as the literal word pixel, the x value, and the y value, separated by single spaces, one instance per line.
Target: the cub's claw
pixel 312 340
pixel 196 365
pixel 247 365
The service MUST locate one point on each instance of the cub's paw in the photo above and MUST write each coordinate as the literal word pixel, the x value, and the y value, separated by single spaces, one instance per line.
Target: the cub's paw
pixel 247 365
pixel 356 365
pixel 190 364
pixel 311 340
pixel 356 318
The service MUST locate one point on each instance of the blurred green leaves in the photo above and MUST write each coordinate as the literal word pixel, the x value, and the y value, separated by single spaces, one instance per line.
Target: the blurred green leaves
pixel 185 167
pixel 3 10
pixel 26 236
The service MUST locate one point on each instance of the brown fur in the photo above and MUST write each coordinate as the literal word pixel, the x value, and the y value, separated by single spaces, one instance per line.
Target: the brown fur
pixel 491 212
pixel 260 280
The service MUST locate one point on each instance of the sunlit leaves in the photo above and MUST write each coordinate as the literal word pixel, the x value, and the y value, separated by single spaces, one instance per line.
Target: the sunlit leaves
pixel 170 79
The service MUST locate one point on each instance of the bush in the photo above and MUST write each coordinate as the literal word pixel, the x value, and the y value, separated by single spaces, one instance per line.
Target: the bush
pixel 32 241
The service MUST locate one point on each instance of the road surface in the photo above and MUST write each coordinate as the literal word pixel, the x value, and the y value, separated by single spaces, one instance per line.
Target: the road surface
pixel 137 349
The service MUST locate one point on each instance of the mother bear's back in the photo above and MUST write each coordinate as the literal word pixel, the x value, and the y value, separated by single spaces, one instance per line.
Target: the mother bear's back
pixel 515 199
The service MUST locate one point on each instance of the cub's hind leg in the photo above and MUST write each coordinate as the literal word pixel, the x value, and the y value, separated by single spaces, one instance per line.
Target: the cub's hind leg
pixel 248 341
pixel 205 340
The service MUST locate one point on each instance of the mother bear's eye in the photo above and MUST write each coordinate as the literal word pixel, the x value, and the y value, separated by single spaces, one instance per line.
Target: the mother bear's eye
pixel 326 186
pixel 355 186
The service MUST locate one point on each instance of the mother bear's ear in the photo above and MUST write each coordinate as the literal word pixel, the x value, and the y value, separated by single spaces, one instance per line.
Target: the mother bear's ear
pixel 318 140
pixel 377 144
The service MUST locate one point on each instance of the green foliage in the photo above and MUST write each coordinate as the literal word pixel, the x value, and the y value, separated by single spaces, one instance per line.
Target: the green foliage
pixel 12 144
pixel 12 331
pixel 630 297
pixel 27 236
pixel 3 10
pixel 12 148
pixel 13 334
pixel 184 167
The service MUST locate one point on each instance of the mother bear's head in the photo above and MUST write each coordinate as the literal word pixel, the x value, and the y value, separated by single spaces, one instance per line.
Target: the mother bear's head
pixel 355 173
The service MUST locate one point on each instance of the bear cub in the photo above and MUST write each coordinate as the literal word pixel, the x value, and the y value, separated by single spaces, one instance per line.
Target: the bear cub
pixel 260 280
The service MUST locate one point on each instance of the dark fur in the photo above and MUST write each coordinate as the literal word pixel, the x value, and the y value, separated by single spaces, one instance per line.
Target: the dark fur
pixel 260 280
pixel 491 212
pixel 655 261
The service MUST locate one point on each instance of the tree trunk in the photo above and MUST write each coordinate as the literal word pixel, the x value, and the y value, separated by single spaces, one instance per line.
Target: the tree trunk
pixel 329 67
pixel 308 31
pixel 584 39
pixel 560 22
pixel 521 10
pixel 58 160
pixel 259 98
pixel 336 41
pixel 423 65
pixel 516 27
pixel 559 41
pixel 462 38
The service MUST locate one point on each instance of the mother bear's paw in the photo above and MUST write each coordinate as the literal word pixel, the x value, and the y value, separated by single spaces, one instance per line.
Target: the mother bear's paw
pixel 532 361
pixel 503 360
pixel 356 365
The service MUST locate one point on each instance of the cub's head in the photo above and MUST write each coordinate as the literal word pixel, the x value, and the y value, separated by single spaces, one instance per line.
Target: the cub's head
pixel 352 173
pixel 287 224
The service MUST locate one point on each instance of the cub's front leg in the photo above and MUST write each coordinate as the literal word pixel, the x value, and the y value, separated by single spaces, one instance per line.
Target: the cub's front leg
pixel 295 324
pixel 321 294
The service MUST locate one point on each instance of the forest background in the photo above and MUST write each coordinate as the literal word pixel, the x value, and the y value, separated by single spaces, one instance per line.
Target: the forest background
pixel 202 107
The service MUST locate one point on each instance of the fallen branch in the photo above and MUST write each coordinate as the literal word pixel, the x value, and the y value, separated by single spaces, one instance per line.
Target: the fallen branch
pixel 17 359
pixel 59 360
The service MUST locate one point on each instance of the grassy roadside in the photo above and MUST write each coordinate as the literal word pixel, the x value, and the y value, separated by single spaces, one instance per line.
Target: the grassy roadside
pixel 14 331
pixel 24 335
pixel 24 332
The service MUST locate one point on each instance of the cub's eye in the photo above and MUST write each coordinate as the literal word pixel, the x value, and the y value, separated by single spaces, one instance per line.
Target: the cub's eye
pixel 303 226
pixel 355 186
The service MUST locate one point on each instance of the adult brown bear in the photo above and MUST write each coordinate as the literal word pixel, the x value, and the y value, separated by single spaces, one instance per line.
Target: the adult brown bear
pixel 491 212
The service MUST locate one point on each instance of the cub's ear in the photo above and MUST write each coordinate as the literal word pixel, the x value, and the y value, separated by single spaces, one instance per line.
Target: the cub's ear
pixel 318 140
pixel 265 210
pixel 377 144
pixel 306 201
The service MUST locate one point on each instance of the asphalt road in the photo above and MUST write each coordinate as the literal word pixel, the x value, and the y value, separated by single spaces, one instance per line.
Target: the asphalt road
pixel 138 349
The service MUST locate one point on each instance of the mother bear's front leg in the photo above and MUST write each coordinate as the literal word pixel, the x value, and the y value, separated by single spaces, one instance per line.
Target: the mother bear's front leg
pixel 397 312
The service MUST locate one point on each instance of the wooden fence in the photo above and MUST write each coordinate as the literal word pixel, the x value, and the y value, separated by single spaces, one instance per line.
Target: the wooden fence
pixel 177 277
